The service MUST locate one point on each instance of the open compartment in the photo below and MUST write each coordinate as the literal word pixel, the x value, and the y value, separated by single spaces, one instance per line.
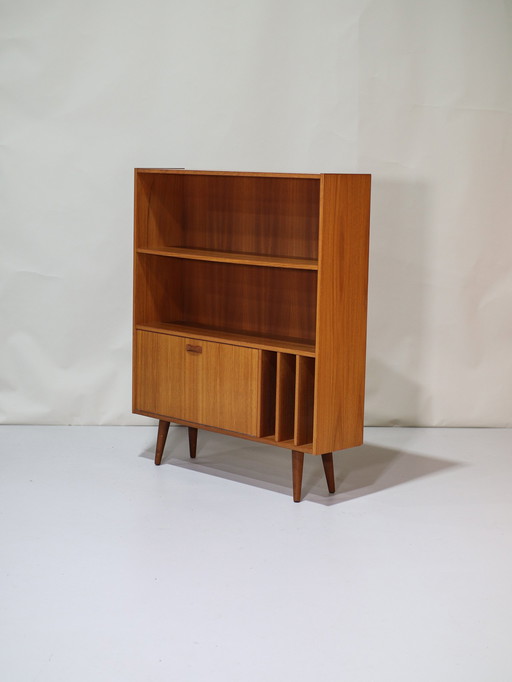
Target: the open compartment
pixel 273 216
pixel 285 396
pixel 276 303
pixel 304 400
pixel 267 393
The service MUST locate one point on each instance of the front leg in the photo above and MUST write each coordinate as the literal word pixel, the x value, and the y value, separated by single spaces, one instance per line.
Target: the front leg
pixel 329 471
pixel 192 441
pixel 163 428
pixel 297 465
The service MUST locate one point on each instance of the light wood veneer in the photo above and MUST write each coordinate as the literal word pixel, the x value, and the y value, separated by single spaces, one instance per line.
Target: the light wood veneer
pixel 250 294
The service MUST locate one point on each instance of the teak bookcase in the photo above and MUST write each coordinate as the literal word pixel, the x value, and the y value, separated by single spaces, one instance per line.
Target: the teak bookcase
pixel 250 307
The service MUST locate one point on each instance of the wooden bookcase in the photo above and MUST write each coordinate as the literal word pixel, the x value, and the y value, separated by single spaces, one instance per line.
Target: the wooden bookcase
pixel 250 294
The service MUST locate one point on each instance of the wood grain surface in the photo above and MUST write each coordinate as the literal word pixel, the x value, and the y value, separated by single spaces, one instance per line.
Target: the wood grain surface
pixel 341 316
pixel 218 386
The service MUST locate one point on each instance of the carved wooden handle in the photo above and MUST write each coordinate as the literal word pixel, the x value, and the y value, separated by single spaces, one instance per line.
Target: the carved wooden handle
pixel 193 349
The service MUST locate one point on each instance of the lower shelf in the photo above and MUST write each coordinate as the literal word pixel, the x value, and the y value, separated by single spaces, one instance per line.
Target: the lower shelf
pixel 295 346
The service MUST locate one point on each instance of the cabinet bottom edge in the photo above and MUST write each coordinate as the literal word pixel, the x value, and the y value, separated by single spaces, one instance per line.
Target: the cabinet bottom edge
pixel 267 440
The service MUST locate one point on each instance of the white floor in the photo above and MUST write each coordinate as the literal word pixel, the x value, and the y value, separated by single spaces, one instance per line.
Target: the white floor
pixel 113 569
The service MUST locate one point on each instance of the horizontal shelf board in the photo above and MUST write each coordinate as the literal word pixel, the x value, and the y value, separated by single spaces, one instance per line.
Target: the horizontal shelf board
pixel 235 338
pixel 291 445
pixel 181 171
pixel 229 257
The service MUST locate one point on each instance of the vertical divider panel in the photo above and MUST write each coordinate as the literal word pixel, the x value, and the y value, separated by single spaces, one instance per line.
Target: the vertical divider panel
pixel 285 396
pixel 267 393
pixel 304 400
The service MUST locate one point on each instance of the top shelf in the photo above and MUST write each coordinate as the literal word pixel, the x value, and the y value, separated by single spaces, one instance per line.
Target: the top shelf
pixel 229 257
pixel 250 219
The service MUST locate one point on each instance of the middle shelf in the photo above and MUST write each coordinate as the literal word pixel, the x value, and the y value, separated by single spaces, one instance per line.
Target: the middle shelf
pixel 196 331
pixel 232 257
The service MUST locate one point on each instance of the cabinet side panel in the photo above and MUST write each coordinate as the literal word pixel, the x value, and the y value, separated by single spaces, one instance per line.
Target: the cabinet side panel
pixel 137 207
pixel 341 312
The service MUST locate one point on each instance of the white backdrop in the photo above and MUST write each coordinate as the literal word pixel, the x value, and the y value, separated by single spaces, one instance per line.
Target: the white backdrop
pixel 416 93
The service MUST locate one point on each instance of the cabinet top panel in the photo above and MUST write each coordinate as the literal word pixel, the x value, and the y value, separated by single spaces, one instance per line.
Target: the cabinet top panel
pixel 182 171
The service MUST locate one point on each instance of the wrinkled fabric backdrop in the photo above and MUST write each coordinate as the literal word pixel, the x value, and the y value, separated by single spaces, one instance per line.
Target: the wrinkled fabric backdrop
pixel 416 93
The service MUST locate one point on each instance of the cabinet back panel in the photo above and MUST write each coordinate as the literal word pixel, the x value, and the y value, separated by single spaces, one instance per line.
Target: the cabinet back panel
pixel 266 301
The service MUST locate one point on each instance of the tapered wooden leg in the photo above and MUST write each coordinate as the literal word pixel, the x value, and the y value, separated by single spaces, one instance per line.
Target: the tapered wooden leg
pixel 297 465
pixel 329 471
pixel 163 428
pixel 192 441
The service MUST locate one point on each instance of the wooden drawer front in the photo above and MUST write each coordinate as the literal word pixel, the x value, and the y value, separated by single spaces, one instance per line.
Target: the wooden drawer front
pixel 198 381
